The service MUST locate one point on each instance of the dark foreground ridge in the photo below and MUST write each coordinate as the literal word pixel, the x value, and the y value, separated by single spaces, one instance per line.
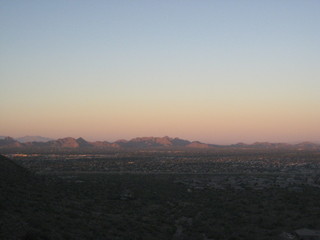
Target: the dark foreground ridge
pixel 10 172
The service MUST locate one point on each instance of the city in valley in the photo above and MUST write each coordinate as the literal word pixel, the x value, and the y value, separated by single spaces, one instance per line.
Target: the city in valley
pixel 159 188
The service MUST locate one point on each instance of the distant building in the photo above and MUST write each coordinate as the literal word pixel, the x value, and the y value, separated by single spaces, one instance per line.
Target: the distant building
pixel 308 234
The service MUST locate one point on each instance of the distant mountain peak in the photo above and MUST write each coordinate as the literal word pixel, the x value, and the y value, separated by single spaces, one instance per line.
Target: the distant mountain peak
pixel 9 142
pixel 33 139
pixel 197 144
pixel 82 142
pixel 67 142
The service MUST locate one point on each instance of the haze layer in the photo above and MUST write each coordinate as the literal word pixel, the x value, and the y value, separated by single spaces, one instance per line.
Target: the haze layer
pixel 214 71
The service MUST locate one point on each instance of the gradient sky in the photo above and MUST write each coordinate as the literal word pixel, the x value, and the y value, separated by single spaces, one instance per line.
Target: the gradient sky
pixel 214 71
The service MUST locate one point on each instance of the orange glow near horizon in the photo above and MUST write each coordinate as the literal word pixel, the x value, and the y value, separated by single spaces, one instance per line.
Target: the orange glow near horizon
pixel 210 71
pixel 223 124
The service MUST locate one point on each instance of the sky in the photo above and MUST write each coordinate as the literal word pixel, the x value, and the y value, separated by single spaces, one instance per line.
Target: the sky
pixel 215 71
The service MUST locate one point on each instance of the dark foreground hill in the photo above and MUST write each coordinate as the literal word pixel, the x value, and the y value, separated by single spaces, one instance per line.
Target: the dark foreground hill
pixel 20 195
pixel 11 173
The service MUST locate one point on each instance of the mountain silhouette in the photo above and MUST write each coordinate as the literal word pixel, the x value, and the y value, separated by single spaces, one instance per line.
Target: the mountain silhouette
pixel 26 139
pixel 9 142
pixel 166 142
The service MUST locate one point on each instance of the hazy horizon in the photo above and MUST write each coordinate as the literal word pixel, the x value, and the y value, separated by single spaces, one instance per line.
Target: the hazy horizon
pixel 218 72
pixel 172 137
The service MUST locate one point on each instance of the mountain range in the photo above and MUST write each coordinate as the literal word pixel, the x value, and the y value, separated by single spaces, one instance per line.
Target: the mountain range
pixel 73 143
pixel 139 143
pixel 30 139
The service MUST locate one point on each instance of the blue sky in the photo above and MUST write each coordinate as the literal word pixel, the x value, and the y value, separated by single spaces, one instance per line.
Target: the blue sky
pixel 150 61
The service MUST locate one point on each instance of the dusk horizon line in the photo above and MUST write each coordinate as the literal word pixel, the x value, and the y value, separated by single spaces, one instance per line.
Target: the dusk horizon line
pixel 154 137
